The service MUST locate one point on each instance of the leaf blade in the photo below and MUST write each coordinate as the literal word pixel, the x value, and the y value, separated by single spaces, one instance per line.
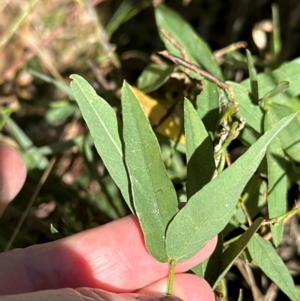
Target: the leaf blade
pixel 199 151
pixel 154 197
pixel 266 257
pixel 198 221
pixel 277 179
pixel 234 250
pixel 196 49
pixel 104 128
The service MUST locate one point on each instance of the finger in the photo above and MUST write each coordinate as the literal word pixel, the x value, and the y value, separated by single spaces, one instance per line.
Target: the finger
pixel 12 175
pixel 112 257
pixel 82 294
pixel 185 286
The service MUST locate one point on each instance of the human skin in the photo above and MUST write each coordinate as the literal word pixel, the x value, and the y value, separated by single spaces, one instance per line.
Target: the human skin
pixel 108 263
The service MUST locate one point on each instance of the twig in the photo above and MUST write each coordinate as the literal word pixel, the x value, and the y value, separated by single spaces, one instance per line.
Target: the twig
pixel 179 61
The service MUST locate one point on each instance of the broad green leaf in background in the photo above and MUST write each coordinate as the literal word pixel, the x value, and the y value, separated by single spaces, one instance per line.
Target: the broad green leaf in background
pixel 153 77
pixel 60 110
pixel 235 250
pixel 213 265
pixel 252 77
pixel 266 257
pixel 196 49
pixel 277 179
pixel 253 197
pixel 279 88
pixel 209 268
pixel 125 12
pixel 247 109
pixel 209 210
pixel 249 136
pixel 290 136
pixel 207 104
pixel 154 196
pixel 199 151
pixel 288 72
pixel 104 127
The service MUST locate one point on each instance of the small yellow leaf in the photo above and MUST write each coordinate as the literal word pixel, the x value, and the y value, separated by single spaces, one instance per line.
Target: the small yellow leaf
pixel 155 112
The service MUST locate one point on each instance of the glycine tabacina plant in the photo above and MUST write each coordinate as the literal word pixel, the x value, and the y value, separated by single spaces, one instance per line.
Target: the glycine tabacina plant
pixel 255 108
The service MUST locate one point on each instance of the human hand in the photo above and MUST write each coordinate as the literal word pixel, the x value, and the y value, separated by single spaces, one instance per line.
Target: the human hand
pixel 108 263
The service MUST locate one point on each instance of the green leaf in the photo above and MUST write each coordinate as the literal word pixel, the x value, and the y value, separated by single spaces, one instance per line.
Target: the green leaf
pixel 209 210
pixel 208 106
pixel 60 110
pixel 153 77
pixel 213 266
pixel 277 180
pixel 288 72
pixel 280 88
pixel 127 10
pixel 154 196
pixel 53 230
pixel 248 110
pixel 252 77
pixel 33 158
pixel 47 79
pixel 235 250
pixel 266 257
pixel 199 151
pixel 104 127
pixel 196 49
pixel 290 136
pixel 253 197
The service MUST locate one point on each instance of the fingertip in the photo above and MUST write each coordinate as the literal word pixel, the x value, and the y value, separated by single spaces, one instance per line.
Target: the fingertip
pixel 12 175
pixel 186 287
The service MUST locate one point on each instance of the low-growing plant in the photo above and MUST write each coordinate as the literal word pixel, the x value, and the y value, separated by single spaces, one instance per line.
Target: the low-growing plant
pixel 220 195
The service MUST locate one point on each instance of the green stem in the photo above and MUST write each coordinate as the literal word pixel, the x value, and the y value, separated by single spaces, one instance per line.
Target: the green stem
pixel 171 277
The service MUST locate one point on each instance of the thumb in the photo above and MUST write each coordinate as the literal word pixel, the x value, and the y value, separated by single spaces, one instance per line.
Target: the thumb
pixel 12 175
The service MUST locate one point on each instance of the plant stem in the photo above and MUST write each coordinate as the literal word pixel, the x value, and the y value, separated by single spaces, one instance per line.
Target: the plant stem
pixel 171 277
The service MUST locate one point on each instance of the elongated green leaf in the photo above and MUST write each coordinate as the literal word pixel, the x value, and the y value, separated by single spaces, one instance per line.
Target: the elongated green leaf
pixel 154 196
pixel 208 106
pixel 47 79
pixel 264 254
pixel 280 88
pixel 212 269
pixel 209 210
pixel 104 127
pixel 252 77
pixel 235 250
pixel 288 72
pixel 249 111
pixel 253 197
pixel 290 136
pixel 127 10
pixel 277 180
pixel 199 151
pixel 153 77
pixel 195 48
